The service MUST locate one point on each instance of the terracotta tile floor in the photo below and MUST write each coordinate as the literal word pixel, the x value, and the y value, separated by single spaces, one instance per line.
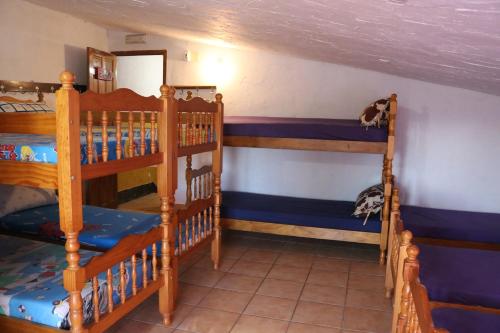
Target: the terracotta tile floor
pixel 271 284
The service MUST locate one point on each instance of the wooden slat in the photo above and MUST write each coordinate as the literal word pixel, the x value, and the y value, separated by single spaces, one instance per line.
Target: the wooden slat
pixel 16 325
pixel 300 231
pixel 194 208
pixel 196 149
pixel 306 144
pixel 121 251
pixel 90 171
pixel 122 99
pixel 195 105
pixel 34 174
pixel 28 123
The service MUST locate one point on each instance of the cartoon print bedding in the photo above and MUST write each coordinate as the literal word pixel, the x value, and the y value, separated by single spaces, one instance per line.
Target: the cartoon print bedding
pixel 31 282
pixel 42 148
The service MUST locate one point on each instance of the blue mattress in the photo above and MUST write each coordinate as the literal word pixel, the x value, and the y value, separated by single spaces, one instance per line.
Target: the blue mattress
pixel 295 211
pixel 42 148
pixel 102 227
pixel 452 224
pixel 31 282
pixel 464 321
pixel 303 128
pixel 458 275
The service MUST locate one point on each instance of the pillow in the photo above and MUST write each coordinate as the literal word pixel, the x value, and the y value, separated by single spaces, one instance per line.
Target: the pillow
pixel 27 106
pixel 369 202
pixel 17 198
pixel 376 114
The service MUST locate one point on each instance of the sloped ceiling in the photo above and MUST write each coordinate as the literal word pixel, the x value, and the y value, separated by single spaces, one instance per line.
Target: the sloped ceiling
pixel 452 42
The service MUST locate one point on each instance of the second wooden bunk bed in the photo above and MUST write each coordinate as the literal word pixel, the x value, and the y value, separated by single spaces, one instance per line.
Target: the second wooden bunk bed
pixel 289 133
pixel 180 131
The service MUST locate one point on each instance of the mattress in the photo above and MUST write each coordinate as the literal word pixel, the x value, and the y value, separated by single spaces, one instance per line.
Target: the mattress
pixel 31 282
pixel 303 128
pixel 463 321
pixel 458 275
pixel 295 211
pixel 102 227
pixel 42 148
pixel 451 224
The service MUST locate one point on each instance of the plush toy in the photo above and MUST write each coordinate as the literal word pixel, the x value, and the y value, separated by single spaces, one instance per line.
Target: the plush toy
pixel 370 201
pixel 376 114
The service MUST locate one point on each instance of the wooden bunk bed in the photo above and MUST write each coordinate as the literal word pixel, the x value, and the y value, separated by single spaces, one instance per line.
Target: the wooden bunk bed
pixel 317 135
pixel 418 315
pixel 166 124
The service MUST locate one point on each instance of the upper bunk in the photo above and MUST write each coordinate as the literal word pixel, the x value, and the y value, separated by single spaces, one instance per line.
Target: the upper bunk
pixel 342 135
pixel 112 133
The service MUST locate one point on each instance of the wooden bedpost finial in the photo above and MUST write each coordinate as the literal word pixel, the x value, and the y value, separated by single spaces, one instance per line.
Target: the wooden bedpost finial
pixel 67 79
pixel 171 92
pixel 394 97
pixel 406 236
pixel 164 89
pixel 413 252
pixel 218 98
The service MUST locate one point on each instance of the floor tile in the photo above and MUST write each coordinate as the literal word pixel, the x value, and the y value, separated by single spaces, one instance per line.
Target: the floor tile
pixel 331 264
pixel 368 268
pixel 280 288
pixel 295 260
pixel 132 326
pixel 300 248
pixel 251 268
pixel 328 278
pixel 366 282
pixel 367 320
pixel 233 251
pixel 208 321
pixel 318 314
pixel 271 307
pixel 257 255
pixel 225 264
pixel 150 314
pixel 191 294
pixel 368 299
pixel 324 294
pixel 237 282
pixel 251 324
pixel 306 328
pixel 290 273
pixel 267 244
pixel 201 277
pixel 226 300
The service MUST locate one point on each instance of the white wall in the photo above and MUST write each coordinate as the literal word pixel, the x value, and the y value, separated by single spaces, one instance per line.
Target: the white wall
pixel 131 71
pixel 38 43
pixel 448 140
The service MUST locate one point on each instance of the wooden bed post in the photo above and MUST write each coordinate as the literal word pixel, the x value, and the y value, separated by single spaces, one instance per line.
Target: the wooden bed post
pixel 70 191
pixel 387 177
pixel 410 268
pixel 167 185
pixel 217 171
pixel 394 217
pixel 406 237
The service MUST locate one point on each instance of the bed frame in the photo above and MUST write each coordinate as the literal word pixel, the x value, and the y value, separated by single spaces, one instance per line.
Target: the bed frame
pixel 386 148
pixel 163 117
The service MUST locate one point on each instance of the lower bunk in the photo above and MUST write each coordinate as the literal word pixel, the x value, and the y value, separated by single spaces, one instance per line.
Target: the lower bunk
pixel 313 218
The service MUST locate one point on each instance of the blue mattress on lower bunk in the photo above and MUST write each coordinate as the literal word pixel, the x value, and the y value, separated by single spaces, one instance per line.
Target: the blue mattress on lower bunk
pixel 295 211
pixel 459 275
pixel 463 321
pixel 31 282
pixel 102 227
pixel 452 224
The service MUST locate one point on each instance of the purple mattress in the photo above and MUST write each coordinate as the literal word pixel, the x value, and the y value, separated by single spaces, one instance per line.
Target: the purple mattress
pixel 452 224
pixel 303 128
pixel 458 275
pixel 295 211
pixel 463 321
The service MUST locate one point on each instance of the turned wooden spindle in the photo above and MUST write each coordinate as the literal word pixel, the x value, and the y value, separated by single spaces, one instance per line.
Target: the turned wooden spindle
pixel 212 127
pixel 179 129
pixel 95 298
pixel 144 269
pixel 123 285
pixel 142 121
pixel 193 230
pixel 210 219
pixel 153 132
pixel 131 148
pixel 133 262
pixel 154 262
pixel 188 129
pixel 199 227
pixel 90 137
pixel 410 264
pixel 109 287
pixel 104 134
pixel 189 172
pixel 118 121
pixel 179 234
pixel 186 239
pixel 205 222
pixel 167 216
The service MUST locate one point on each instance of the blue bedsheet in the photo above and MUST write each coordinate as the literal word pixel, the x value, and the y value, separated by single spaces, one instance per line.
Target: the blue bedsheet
pixel 295 211
pixel 42 148
pixel 31 282
pixel 102 227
